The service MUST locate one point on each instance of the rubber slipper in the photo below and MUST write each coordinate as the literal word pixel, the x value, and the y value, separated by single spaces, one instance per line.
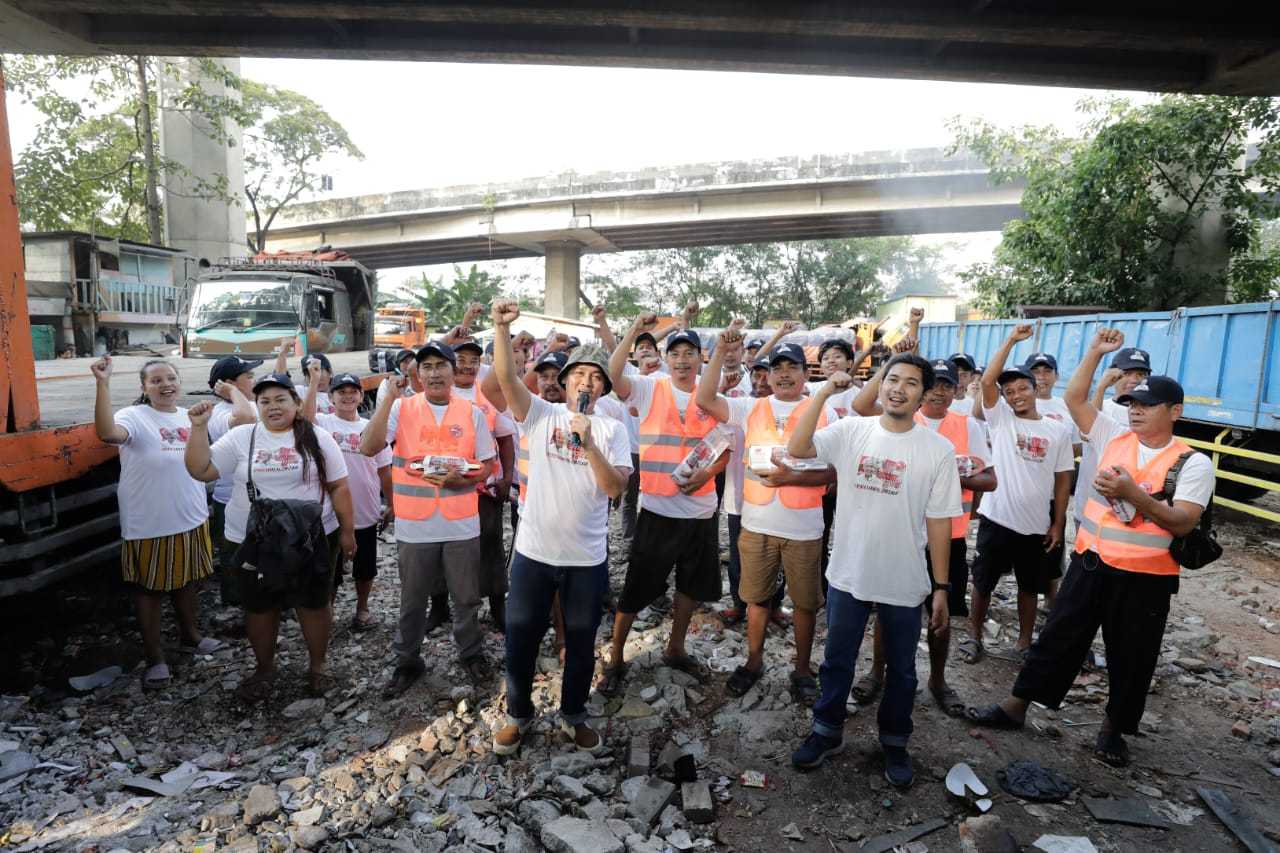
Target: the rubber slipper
pixel 320 683
pixel 991 717
pixel 206 646
pixel 156 677
pixel 731 616
pixel 866 689
pixel 611 679
pixel 742 680
pixel 256 688
pixel 970 651
pixel 1110 749
pixel 685 663
pixel 363 622
pixel 804 689
pixel 949 701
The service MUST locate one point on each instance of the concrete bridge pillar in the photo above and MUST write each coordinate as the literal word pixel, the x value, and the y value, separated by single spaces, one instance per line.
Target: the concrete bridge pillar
pixel 563 277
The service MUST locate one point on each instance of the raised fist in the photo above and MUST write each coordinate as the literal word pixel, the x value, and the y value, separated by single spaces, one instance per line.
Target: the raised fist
pixel 286 346
pixel 646 322
pixel 200 412
pixel 840 381
pixel 101 369
pixel 906 344
pixel 691 310
pixel 505 312
pixel 789 326
pixel 916 316
pixel 1108 340
pixel 474 311
pixel 1022 332
pixel 1111 376
pixel 598 314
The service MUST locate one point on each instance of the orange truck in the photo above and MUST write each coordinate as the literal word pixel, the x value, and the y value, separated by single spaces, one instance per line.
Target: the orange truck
pixel 399 327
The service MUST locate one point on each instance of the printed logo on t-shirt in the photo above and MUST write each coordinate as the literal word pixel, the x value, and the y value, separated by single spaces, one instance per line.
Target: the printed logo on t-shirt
pixel 174 435
pixel 560 446
pixel 840 413
pixel 280 459
pixel 880 475
pixel 1054 416
pixel 1033 448
pixel 348 441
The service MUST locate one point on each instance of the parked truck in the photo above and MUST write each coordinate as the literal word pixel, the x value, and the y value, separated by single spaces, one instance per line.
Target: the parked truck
pixel 400 327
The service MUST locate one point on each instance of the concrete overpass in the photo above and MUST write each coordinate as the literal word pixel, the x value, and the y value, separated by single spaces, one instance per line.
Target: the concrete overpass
pixel 919 191
pixel 1226 48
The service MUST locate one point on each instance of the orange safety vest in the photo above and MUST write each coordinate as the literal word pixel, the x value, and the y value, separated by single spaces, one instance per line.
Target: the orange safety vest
pixel 1141 545
pixel 665 440
pixel 955 429
pixel 418 436
pixel 522 465
pixel 762 431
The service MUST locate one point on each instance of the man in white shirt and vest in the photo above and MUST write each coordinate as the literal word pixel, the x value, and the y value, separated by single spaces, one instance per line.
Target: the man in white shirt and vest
pixel 781 509
pixel 1150 489
pixel 436 508
pixel 676 527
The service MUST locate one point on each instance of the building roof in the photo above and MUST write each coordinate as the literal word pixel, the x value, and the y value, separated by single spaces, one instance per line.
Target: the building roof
pixel 134 244
pixel 929 286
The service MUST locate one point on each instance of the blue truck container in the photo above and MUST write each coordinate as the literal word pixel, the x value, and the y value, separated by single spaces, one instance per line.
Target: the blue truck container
pixel 1227 358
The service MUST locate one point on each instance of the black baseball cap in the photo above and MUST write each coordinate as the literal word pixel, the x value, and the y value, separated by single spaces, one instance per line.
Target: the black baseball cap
pixel 787 352
pixel 1038 358
pixel 686 336
pixel 436 348
pixel 551 359
pixel 280 379
pixel 963 360
pixel 1131 358
pixel 1152 391
pixel 646 336
pixel 230 367
pixel 835 343
pixel 401 356
pixel 316 358
pixel 944 370
pixel 469 343
pixel 760 364
pixel 345 379
pixel 1011 373
pixel 574 343
pixel 754 343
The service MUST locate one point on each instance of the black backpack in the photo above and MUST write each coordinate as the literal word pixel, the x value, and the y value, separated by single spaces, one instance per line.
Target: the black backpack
pixel 1200 547
pixel 284 538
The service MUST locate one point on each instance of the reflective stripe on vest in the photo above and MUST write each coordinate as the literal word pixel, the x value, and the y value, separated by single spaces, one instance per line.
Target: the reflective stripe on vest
pixel 955 429
pixel 1142 545
pixel 418 436
pixel 666 439
pixel 522 465
pixel 762 430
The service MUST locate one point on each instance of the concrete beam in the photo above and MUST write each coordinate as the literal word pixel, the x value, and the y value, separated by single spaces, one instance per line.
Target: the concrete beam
pixel 563 279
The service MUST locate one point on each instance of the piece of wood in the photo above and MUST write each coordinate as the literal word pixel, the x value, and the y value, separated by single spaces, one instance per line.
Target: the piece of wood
pixel 1239 824
pixel 888 841
pixel 1129 811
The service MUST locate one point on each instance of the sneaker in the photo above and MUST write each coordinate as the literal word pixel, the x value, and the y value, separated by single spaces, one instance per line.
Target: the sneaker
pixel 815 750
pixel 402 679
pixel 584 737
pixel 507 739
pixel 897 767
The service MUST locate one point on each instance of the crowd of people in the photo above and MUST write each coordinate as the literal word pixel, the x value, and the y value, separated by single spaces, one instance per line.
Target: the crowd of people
pixel 850 495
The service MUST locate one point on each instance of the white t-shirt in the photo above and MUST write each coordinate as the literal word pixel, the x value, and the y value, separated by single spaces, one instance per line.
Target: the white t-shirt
pixel 219 424
pixel 1089 456
pixel 1195 480
pixel 324 406
pixel 565 519
pixel 1055 409
pixel 1027 454
pixel 774 519
pixel 977 439
pixel 887 480
pixel 503 424
pixel 678 505
pixel 156 494
pixel 277 472
pixel 734 471
pixel 362 471
pixel 1115 411
pixel 437 528
pixel 842 403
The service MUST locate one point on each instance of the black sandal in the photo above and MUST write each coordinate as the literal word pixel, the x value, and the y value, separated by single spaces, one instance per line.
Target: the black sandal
pixel 804 689
pixel 686 664
pixel 992 717
pixel 742 680
pixel 866 689
pixel 970 651
pixel 1111 749
pixel 611 679
pixel 950 702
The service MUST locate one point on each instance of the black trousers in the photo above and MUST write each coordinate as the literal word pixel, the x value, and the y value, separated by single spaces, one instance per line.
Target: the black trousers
pixel 1130 608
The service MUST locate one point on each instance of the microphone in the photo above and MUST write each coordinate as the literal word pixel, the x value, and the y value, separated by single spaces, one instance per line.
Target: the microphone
pixel 584 400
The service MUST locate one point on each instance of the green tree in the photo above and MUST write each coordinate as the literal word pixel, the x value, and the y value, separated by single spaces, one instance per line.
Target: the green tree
pixel 445 305
pixel 1115 218
pixel 286 137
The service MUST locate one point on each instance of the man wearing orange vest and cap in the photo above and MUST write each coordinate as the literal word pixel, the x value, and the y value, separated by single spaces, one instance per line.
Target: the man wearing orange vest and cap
pixel 437 514
pixel 1122 572
pixel 676 526
pixel 781 509
pixel 976 475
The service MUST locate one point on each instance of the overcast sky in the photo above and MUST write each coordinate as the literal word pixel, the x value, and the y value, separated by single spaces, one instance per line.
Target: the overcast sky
pixel 429 124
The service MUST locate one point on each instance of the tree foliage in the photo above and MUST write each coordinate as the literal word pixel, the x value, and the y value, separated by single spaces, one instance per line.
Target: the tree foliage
pixel 445 304
pixel 1119 217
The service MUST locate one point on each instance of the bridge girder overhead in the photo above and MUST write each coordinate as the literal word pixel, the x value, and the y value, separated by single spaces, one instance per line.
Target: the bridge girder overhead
pixel 1226 48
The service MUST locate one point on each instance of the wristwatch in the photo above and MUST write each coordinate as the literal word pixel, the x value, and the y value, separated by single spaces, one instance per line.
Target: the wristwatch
pixel 945 587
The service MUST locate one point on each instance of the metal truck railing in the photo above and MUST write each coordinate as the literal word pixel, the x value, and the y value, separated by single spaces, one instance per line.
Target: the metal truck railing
pixel 127 297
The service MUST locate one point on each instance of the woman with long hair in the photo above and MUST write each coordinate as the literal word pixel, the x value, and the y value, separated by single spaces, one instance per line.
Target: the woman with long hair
pixel 164 518
pixel 291 460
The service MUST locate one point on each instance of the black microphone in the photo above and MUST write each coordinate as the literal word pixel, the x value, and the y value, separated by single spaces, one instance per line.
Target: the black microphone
pixel 584 400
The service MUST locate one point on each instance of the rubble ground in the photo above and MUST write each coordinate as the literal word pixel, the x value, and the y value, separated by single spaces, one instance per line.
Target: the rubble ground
pixel 189 767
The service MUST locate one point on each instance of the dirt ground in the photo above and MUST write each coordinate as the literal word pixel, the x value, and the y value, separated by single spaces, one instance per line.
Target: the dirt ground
pixel 1223 615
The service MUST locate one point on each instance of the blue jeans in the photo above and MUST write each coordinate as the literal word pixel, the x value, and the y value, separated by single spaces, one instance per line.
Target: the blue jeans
pixel 533 586
pixel 846 622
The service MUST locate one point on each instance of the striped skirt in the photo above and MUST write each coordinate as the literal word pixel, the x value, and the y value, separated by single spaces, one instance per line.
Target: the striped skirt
pixel 167 563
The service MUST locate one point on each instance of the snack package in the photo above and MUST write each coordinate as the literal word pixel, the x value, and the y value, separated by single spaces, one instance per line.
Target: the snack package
pixel 439 466
pixel 764 458
pixel 703 455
